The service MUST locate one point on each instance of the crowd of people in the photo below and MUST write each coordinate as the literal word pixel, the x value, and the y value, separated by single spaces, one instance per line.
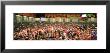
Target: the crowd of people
pixel 54 31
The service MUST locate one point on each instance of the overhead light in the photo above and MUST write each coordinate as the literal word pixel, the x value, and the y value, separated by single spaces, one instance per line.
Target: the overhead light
pixel 17 15
pixel 84 15
pixel 25 16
